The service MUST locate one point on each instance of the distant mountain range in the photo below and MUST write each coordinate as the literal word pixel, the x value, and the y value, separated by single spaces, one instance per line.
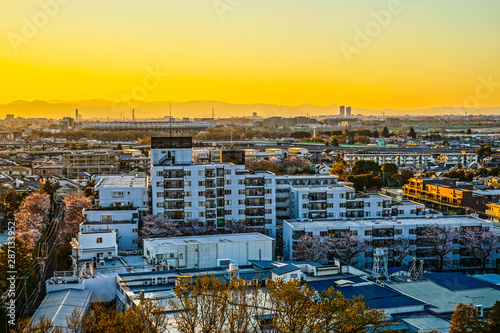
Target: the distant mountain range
pixel 102 109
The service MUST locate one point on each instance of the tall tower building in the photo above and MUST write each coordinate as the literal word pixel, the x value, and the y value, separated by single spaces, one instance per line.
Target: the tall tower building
pixel 342 111
pixel 348 111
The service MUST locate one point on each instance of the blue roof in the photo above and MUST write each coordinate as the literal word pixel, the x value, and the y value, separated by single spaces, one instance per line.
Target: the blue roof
pixel 396 269
pixel 392 302
pixel 491 278
pixel 284 269
pixel 456 281
pixel 375 296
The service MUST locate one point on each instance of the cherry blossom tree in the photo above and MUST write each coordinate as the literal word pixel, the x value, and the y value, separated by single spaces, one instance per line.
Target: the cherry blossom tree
pixel 399 249
pixel 480 244
pixel 158 226
pixel 32 218
pixel 195 227
pixel 74 203
pixel 310 248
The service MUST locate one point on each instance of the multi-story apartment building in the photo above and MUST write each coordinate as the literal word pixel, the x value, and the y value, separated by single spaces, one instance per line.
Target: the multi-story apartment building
pixel 493 213
pixel 91 162
pixel 120 203
pixel 321 202
pixel 285 182
pixel 213 193
pixel 443 194
pixel 380 233
pixel 400 159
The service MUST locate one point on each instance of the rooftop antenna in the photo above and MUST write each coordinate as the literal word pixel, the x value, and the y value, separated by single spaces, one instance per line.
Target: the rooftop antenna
pixel 379 271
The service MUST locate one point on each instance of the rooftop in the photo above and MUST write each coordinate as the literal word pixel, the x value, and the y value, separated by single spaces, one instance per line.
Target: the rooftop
pixel 58 305
pixel 120 181
pixel 204 239
pixel 371 222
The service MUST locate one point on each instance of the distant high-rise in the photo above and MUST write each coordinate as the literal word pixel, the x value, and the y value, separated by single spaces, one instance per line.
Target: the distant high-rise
pixel 342 110
pixel 348 111
pixel 133 115
pixel 76 114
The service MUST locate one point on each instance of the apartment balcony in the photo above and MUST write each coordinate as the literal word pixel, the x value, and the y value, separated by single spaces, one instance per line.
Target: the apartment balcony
pixel 255 213
pixel 254 203
pixel 173 174
pixel 174 196
pixel 254 183
pixel 177 185
pixel 317 216
pixel 254 193
pixel 316 197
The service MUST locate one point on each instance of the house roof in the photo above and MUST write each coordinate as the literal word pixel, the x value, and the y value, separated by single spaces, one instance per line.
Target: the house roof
pixel 285 269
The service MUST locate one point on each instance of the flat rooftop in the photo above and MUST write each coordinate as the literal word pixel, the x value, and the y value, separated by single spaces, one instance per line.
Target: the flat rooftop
pixel 204 239
pixel 120 181
pixel 342 223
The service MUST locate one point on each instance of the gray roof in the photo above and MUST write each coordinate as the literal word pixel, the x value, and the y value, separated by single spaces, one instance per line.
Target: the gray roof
pixel 427 323
pixel 204 239
pixel 284 269
pixel 443 300
pixel 58 305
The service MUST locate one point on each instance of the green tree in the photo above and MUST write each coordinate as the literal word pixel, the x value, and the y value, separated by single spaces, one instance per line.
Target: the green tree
pixel 412 133
pixel 49 189
pixel 385 132
pixel 362 167
pixel 484 151
pixel 389 170
pixel 469 131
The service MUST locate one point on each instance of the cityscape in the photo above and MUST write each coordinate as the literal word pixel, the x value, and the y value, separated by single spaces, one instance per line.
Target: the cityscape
pixel 233 166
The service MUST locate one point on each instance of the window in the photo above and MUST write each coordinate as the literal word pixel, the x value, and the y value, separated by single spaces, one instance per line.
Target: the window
pixel 159 184
pixel 187 194
pixel 160 194
pixel 187 173
pixel 398 231
pixel 304 206
pixel 201 193
pixel 304 196
pixel 366 204
pixel 241 212
pixel 241 192
pixel 241 182
pixel 201 173
pixel 117 194
pixel 342 205
pixel 227 172
pixel 201 214
pixel 227 181
pixel 227 192
pixel 135 230
pixel 330 196
pixel 201 183
pixel 187 183
pixel 188 215
pixel 160 204
pixel 228 202
pixel 159 173
pixel 187 204
pixel 99 240
pixel 201 203
pixel 107 218
pixel 180 255
pixel 241 202
pixel 368 232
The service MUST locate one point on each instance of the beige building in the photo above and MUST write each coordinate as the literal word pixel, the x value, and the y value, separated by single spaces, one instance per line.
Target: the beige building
pixel 90 162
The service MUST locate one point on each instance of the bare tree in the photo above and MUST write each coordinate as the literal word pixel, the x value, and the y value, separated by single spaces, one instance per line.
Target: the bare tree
pixel 347 247
pixel 399 249
pixel 480 244
pixel 158 226
pixel 440 239
pixel 32 218
pixel 74 203
pixel 310 248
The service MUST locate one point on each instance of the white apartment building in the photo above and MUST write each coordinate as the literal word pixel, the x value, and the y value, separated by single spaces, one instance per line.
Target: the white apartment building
pixel 379 231
pixel 95 246
pixel 341 201
pixel 125 223
pixel 285 182
pixel 121 191
pixel 209 251
pixel 213 193
pixel 121 202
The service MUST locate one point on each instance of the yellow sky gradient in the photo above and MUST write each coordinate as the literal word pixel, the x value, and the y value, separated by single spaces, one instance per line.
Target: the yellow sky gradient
pixel 426 54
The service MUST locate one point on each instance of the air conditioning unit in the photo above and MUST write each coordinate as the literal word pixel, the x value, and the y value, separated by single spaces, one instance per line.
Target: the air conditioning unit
pixel 154 281
pixel 223 262
pixel 479 310
pixel 162 262
pixel 102 264
pixel 157 268
pixel 139 251
pixel 134 252
pixel 164 280
pixel 147 283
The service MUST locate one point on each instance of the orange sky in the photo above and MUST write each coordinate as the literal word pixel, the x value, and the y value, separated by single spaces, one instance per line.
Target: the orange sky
pixel 371 54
